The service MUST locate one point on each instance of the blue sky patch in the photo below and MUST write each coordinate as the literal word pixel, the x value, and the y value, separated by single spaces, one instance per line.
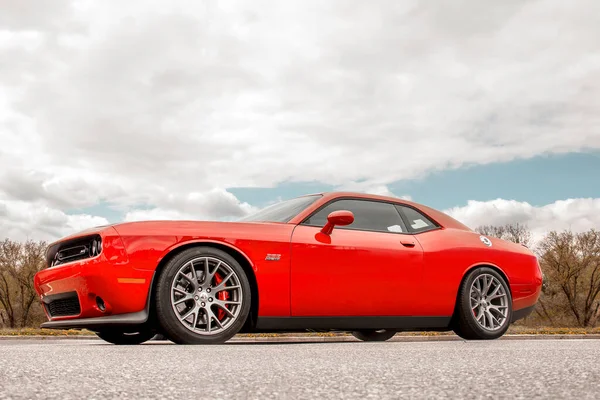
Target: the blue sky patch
pixel 540 180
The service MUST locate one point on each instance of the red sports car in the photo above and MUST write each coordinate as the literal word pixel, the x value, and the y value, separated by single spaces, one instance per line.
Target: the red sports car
pixel 367 264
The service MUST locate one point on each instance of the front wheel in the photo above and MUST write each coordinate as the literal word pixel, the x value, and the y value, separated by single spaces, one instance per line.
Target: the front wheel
pixel 120 337
pixel 202 297
pixel 373 335
pixel 484 306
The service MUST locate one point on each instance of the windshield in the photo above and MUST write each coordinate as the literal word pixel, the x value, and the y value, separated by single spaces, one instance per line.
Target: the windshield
pixel 283 211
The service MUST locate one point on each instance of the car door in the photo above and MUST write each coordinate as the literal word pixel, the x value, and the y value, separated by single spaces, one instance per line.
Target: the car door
pixel 372 267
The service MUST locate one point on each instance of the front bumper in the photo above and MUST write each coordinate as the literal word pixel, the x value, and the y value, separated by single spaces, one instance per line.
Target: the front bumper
pixel 100 323
pixel 104 290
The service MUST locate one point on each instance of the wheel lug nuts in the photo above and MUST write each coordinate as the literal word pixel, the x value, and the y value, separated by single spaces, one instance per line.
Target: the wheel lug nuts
pixel 210 299
pixel 196 297
pixel 208 290
pixel 199 289
pixel 203 304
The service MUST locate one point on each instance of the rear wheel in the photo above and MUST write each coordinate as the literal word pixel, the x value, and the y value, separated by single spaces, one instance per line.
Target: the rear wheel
pixel 373 335
pixel 484 307
pixel 120 337
pixel 202 297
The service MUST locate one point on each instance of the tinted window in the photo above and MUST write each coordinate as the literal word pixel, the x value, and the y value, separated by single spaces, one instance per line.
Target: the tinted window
pixel 368 215
pixel 283 211
pixel 417 222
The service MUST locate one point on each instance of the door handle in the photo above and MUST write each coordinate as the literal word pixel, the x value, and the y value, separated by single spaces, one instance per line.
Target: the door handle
pixel 408 242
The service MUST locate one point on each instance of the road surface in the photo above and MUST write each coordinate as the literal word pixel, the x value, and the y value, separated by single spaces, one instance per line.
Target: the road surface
pixel 75 369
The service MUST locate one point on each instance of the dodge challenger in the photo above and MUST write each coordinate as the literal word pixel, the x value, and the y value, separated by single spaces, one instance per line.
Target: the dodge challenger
pixel 367 264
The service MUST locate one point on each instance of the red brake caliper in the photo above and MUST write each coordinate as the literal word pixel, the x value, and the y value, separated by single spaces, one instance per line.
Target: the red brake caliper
pixel 223 295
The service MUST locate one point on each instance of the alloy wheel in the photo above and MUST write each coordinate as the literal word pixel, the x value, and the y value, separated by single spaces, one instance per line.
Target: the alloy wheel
pixel 206 295
pixel 489 302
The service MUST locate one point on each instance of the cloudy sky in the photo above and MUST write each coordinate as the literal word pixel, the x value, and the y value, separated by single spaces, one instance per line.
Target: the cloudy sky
pixel 113 111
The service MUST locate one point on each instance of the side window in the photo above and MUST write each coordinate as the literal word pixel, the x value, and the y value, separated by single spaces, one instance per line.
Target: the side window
pixel 417 222
pixel 368 215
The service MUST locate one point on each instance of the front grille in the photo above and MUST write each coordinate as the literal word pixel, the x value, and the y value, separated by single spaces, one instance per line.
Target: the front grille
pixel 62 305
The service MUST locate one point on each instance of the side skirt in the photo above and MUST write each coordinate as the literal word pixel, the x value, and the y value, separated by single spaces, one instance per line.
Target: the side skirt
pixel 352 323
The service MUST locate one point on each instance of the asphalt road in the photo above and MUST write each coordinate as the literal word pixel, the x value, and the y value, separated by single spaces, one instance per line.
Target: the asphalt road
pixel 74 369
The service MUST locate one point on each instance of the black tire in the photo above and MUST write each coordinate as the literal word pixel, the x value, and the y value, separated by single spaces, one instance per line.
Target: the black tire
pixel 373 335
pixel 120 337
pixel 465 324
pixel 168 321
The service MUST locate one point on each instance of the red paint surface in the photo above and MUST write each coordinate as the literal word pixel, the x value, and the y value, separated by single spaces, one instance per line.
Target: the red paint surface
pixel 347 273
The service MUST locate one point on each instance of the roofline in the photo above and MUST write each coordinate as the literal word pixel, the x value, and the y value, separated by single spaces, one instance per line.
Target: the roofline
pixel 368 196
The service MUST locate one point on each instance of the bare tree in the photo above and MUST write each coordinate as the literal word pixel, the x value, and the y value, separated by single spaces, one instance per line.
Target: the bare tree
pixel 571 263
pixel 19 262
pixel 32 261
pixel 9 253
pixel 513 232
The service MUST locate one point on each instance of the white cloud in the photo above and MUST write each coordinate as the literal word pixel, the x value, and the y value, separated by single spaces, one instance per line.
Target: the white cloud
pixel 23 220
pixel 164 103
pixel 573 214
pixel 156 214
pixel 380 190
pixel 194 206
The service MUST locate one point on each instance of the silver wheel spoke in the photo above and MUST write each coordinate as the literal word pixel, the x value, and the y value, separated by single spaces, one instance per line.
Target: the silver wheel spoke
pixel 486 285
pixel 223 303
pixel 194 299
pixel 196 319
pixel 217 289
pixel 222 307
pixel 221 285
pixel 186 315
pixel 490 319
pixel 496 297
pixel 494 291
pixel 185 276
pixel 218 322
pixel 194 272
pixel 180 291
pixel 210 316
pixel 480 316
pixel 206 271
pixel 183 300
pixel 209 276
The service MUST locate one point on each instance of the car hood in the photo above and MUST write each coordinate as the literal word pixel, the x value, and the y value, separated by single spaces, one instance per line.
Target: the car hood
pixel 195 228
pixel 175 227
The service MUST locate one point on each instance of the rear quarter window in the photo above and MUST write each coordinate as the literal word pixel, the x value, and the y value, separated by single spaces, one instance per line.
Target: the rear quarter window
pixel 417 222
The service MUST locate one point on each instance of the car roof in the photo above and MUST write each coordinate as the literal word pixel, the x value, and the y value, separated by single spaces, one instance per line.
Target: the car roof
pixel 333 194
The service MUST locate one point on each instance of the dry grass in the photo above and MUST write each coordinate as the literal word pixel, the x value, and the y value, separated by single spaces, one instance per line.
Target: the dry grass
pixel 514 330
pixel 544 330
pixel 44 332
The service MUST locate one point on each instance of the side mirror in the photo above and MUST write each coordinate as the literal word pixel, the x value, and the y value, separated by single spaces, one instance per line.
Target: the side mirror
pixel 340 218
